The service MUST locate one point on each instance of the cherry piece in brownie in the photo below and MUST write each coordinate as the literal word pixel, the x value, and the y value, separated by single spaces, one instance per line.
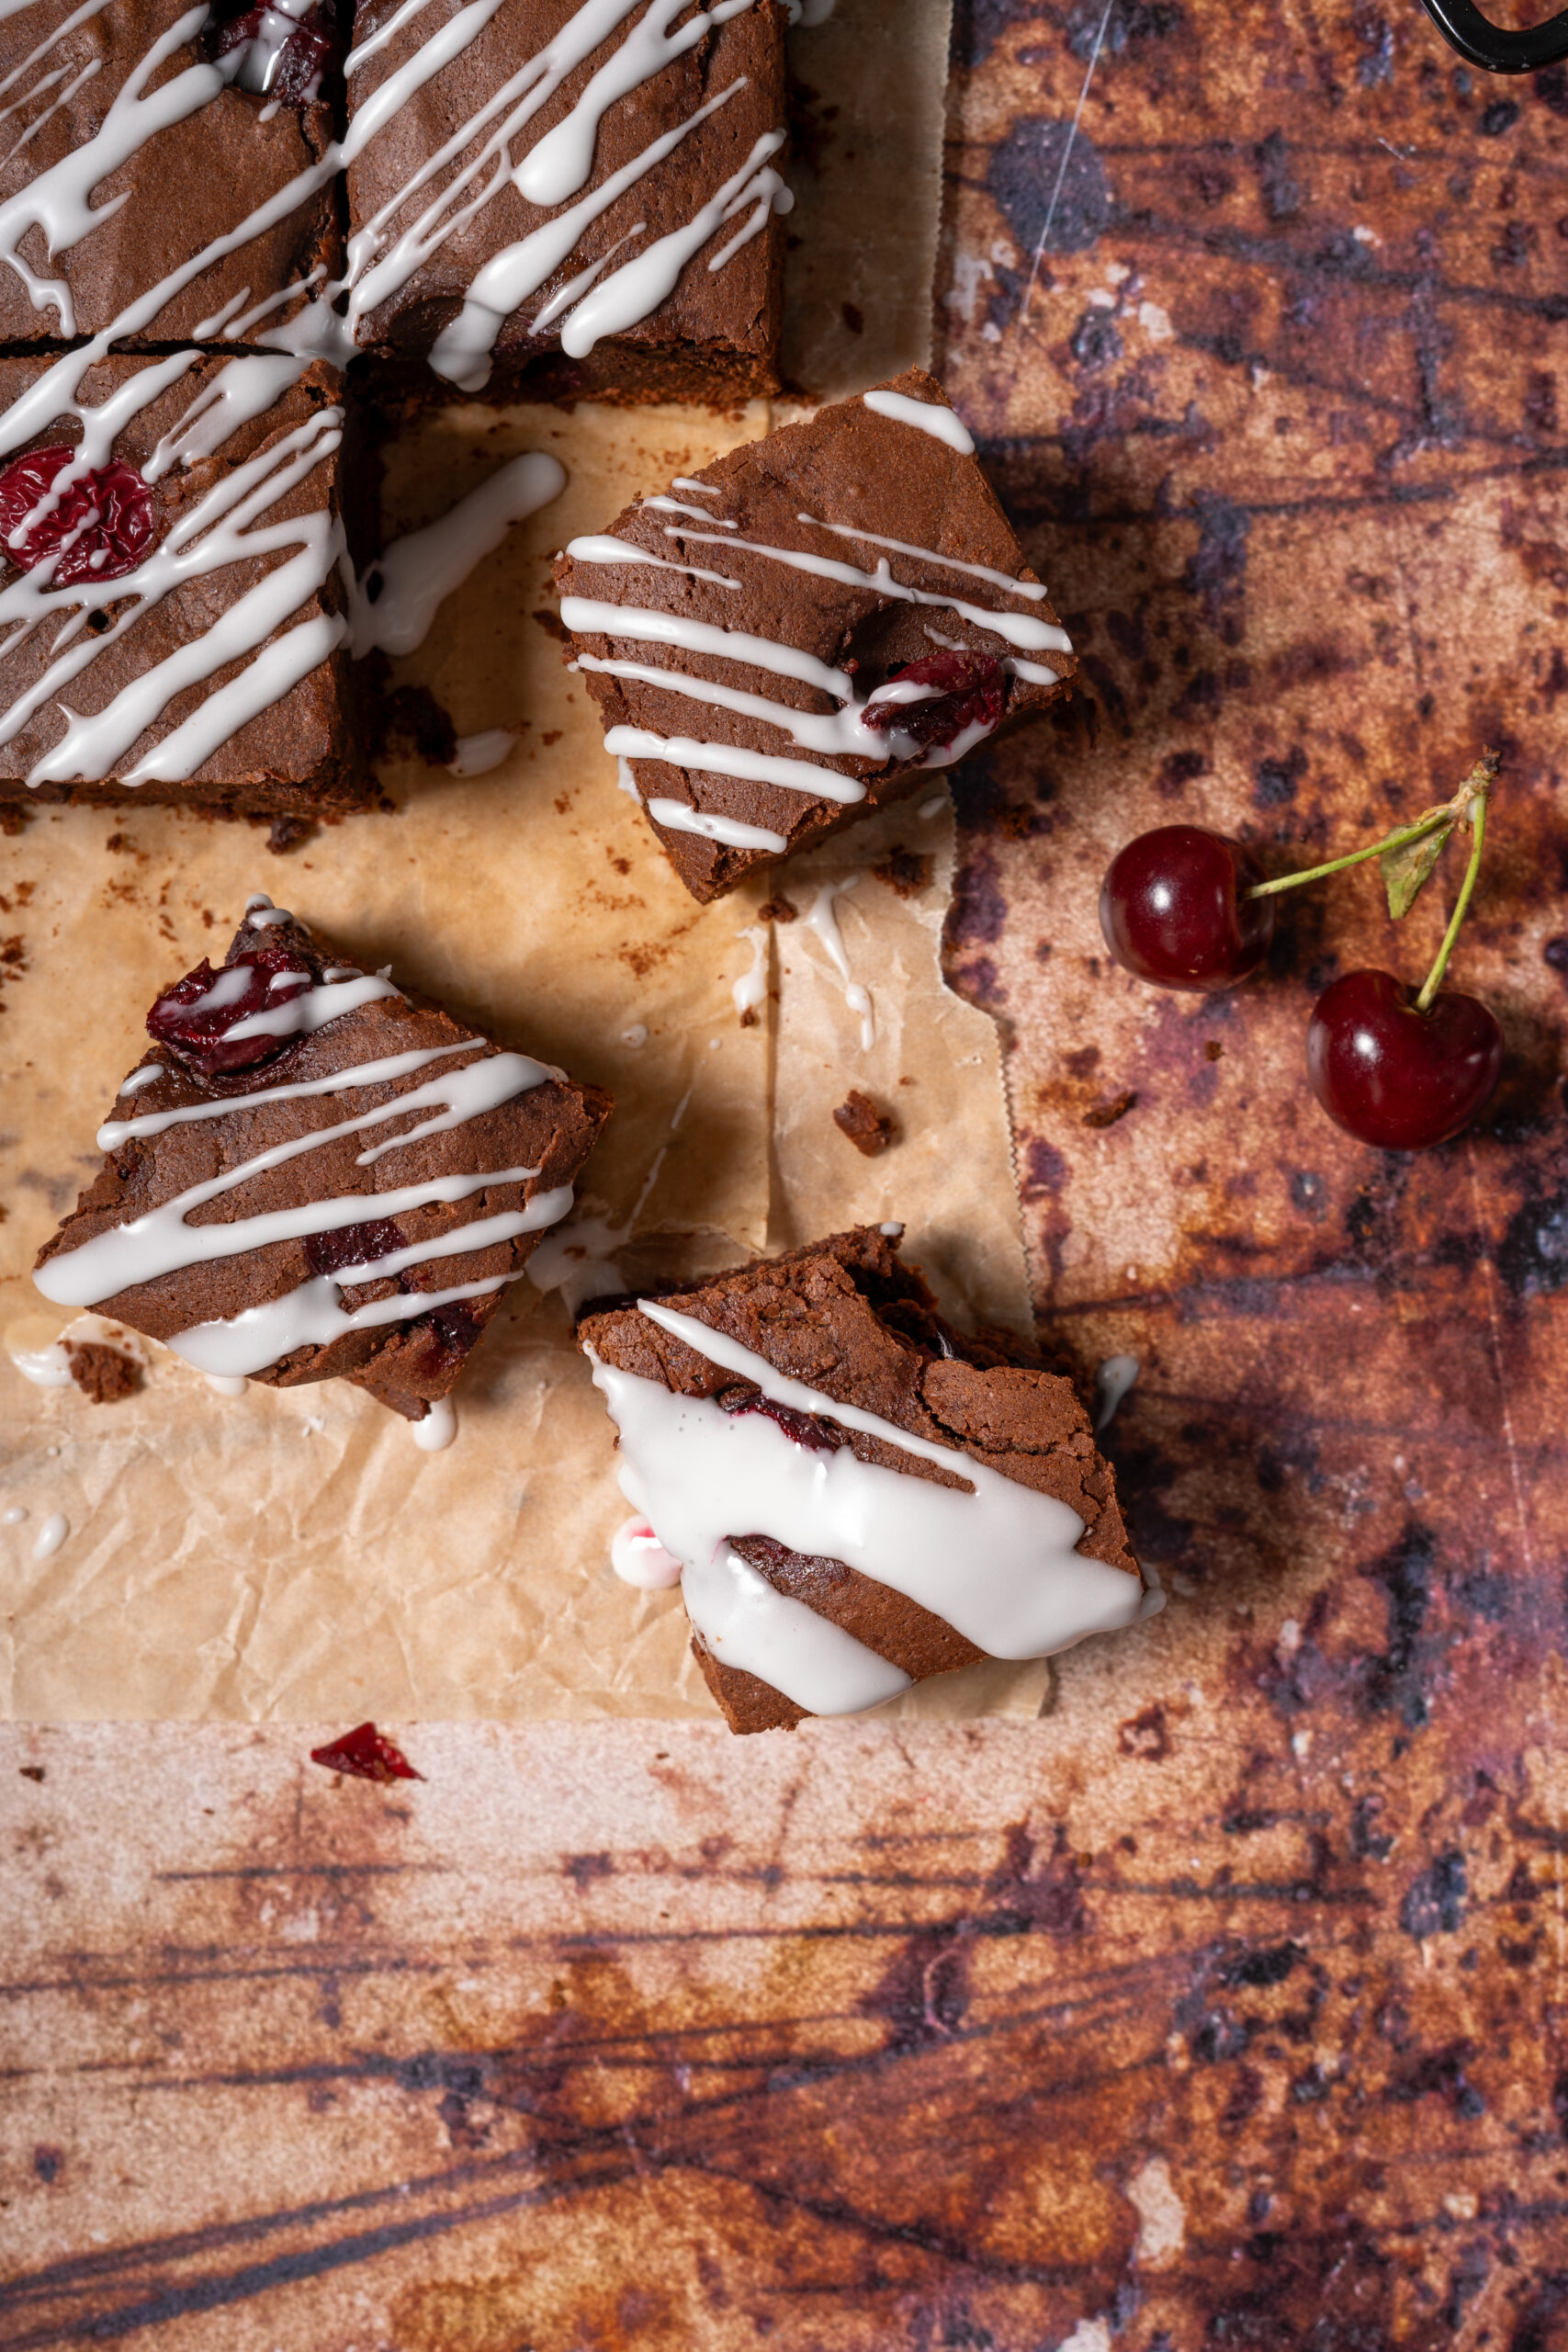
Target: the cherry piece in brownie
pixel 860 1496
pixel 606 191
pixel 172 617
pixel 802 632
pixel 131 153
pixel 316 1174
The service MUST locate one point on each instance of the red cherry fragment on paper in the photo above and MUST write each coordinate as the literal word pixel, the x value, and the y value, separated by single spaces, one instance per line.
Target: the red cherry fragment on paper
pixel 364 1755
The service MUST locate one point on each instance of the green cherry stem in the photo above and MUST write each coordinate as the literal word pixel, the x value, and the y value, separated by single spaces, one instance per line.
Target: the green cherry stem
pixel 1434 977
pixel 1471 796
pixel 1397 839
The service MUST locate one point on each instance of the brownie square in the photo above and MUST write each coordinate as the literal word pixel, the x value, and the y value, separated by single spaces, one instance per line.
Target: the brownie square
pixel 334 1176
pixel 225 684
pixel 141 196
pixel 602 223
pixel 812 625
pixel 820 1398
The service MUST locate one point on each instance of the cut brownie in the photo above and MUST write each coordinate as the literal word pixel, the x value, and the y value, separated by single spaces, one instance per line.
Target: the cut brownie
pixel 799 634
pixel 558 199
pixel 166 179
pixel 316 1174
pixel 172 617
pixel 859 1496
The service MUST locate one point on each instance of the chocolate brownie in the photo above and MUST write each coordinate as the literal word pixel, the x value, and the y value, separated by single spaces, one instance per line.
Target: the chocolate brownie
pixel 173 620
pixel 802 632
pixel 315 1173
pixel 860 1496
pixel 577 200
pixel 135 156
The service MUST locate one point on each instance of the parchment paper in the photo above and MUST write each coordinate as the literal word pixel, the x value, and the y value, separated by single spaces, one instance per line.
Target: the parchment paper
pixel 294 1555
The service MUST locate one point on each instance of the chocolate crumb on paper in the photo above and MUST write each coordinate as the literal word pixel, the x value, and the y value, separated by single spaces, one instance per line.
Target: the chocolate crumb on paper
pixel 1105 1115
pixel 905 870
pixel 102 1374
pixel 870 1130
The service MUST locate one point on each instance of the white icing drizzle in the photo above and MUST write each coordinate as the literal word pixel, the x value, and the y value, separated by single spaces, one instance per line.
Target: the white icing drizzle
pixel 57 201
pixel 230 524
pixel 477 755
pixel 590 617
pixel 677 818
pixel 145 1075
pixel 1005 581
pixel 698 513
pixel 827 737
pixel 13 1515
pixel 602 547
pixel 638 287
pixel 52 1535
pixel 383 256
pixel 395 603
pixel 1018 628
pixel 226 1384
pixel 436 1433
pixel 639 1558
pixel 927 416
pixel 689 482
pixel 732 759
pixel 164 1242
pixel 840 733
pixel 745 1622
pixel 751 988
pixel 1115 1376
pixel 997 1562
pixel 821 919
pixel 383 1071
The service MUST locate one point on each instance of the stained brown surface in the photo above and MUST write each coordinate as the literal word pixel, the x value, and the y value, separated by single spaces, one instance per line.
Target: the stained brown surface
pixel 1225 2007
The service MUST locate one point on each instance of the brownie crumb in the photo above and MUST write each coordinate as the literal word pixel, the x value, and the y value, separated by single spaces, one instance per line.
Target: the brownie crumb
pixel 905 872
pixel 287 832
pixel 1212 1049
pixel 777 910
pixel 103 1374
pixel 13 817
pixel 32 1772
pixel 553 625
pixel 1105 1115
pixel 869 1129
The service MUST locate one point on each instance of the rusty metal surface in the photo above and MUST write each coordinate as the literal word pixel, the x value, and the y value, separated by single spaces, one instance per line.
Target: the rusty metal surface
pixel 1225 2007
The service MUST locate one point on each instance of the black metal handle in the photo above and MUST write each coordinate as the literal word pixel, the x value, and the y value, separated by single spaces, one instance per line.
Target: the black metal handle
pixel 1483 43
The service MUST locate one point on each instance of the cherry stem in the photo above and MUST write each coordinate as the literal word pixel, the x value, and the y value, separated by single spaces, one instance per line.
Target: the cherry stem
pixel 1397 839
pixel 1471 795
pixel 1434 977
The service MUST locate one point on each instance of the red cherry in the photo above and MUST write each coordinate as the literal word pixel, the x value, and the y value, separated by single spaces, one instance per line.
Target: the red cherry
pixel 1394 1077
pixel 196 1016
pixel 1172 908
pixel 281 61
pixel 963 689
pixel 107 516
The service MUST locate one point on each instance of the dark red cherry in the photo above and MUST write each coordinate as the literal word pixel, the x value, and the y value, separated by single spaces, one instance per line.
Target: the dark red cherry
pixel 107 517
pixel 455 1329
pixel 1396 1078
pixel 969 690
pixel 352 1245
pixel 366 1755
pixel 281 61
pixel 804 1427
pixel 196 1017
pixel 1172 908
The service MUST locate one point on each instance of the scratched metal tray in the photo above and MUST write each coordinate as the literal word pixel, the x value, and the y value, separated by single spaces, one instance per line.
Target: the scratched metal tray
pixel 1224 2006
